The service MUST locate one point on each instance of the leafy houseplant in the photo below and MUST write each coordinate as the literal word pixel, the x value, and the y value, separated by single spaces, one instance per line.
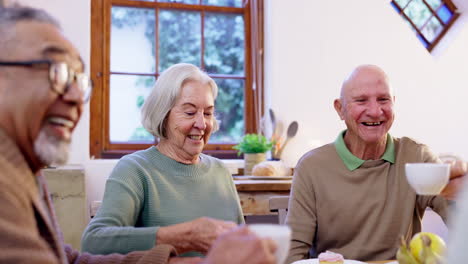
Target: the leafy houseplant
pixel 253 143
pixel 254 147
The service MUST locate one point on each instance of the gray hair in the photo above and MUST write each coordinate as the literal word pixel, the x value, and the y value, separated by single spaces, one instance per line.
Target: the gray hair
pixel 17 13
pixel 164 94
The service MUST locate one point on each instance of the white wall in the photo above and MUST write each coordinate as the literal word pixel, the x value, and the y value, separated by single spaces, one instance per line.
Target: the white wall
pixel 310 47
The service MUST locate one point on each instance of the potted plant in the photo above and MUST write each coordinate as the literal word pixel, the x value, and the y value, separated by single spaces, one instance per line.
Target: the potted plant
pixel 254 148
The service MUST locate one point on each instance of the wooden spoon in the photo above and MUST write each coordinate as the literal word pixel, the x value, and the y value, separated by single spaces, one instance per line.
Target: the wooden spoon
pixel 291 132
pixel 273 124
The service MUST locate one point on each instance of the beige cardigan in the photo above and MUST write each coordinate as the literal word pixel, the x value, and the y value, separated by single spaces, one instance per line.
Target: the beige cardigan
pixel 29 232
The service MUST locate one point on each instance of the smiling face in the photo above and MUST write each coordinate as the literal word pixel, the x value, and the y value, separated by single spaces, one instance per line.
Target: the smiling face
pixel 366 106
pixel 41 121
pixel 190 122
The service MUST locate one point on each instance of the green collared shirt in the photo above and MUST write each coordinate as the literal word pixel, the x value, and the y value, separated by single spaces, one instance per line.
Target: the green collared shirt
pixel 352 162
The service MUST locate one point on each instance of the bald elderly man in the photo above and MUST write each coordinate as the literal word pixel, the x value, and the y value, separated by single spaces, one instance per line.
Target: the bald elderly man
pixel 351 196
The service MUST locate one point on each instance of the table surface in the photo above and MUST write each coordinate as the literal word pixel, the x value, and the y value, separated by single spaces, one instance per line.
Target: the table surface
pixel 243 183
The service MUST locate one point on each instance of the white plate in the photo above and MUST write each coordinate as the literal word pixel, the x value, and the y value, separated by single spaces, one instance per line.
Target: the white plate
pixel 263 178
pixel 316 261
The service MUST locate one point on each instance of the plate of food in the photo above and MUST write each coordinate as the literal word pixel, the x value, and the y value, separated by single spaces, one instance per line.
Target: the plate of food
pixel 316 261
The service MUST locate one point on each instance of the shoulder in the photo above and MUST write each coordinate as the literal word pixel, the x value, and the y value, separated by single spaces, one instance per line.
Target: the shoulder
pixel 411 150
pixel 325 153
pixel 141 157
pixel 133 164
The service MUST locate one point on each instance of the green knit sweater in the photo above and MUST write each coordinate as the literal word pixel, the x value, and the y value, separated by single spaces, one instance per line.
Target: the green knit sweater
pixel 147 190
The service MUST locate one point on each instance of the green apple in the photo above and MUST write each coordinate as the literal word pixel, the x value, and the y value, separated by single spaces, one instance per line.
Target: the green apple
pixel 437 244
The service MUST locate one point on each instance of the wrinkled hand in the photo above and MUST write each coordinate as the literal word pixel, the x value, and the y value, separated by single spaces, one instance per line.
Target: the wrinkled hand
pixel 241 246
pixel 458 171
pixel 205 230
pixel 196 235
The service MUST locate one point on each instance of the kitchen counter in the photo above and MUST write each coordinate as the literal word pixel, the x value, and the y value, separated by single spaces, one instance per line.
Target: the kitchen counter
pixel 243 183
pixel 255 194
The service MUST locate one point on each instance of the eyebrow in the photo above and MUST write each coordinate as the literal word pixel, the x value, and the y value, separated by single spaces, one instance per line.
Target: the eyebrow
pixel 192 105
pixel 58 50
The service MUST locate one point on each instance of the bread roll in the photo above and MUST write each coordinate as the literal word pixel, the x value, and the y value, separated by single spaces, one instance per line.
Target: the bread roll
pixel 271 168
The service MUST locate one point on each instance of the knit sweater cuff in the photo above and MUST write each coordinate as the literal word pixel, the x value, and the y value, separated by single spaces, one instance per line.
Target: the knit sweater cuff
pixel 160 254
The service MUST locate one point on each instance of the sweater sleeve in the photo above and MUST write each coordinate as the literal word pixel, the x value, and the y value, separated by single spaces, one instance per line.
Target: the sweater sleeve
pixel 113 229
pixel 158 255
pixel 235 196
pixel 301 215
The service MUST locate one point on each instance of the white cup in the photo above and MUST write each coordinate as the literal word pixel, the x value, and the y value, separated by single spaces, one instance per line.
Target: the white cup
pixel 281 234
pixel 427 178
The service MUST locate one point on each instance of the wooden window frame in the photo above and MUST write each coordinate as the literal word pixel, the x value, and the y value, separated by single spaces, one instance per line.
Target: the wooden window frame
pixel 100 145
pixel 446 26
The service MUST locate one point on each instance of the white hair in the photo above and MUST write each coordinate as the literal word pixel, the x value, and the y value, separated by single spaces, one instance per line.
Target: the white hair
pixel 165 92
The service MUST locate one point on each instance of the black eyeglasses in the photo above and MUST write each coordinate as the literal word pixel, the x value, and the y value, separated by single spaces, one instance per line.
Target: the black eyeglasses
pixel 61 76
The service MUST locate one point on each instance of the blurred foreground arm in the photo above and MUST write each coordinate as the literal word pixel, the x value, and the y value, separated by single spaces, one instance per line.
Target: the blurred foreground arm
pixel 458 171
pixel 241 247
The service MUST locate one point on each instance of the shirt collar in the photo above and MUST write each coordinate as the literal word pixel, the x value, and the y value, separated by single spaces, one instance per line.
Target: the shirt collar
pixel 352 162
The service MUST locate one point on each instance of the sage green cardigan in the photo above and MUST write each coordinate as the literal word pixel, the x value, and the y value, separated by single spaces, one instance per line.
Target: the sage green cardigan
pixel 147 190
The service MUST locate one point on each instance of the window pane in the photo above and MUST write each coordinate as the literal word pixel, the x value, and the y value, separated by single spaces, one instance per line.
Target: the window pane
pixel 229 108
pixel 127 94
pixel 418 12
pixel 179 38
pixel 445 14
pixel 395 6
pixel 224 44
pixel 191 2
pixel 424 42
pixel 432 29
pixel 402 3
pixel 233 3
pixel 434 3
pixel 132 40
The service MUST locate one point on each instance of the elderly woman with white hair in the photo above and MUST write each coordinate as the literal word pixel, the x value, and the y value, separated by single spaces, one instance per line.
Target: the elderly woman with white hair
pixel 170 193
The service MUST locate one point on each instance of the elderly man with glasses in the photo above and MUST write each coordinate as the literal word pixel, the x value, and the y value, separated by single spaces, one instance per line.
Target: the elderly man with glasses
pixel 42 93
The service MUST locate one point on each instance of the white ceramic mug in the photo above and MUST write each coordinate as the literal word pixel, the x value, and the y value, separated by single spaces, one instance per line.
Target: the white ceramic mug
pixel 281 234
pixel 427 178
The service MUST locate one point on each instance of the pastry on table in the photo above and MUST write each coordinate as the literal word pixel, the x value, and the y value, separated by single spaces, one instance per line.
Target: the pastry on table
pixel 330 257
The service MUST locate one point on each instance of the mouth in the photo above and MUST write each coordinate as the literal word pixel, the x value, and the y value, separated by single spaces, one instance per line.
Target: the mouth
pixel 372 124
pixel 60 121
pixel 195 137
pixel 60 126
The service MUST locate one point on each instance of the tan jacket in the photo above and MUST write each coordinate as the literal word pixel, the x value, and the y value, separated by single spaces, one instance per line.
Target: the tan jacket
pixel 29 232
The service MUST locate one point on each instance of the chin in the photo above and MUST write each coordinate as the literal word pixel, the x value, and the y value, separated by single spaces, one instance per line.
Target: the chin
pixel 51 150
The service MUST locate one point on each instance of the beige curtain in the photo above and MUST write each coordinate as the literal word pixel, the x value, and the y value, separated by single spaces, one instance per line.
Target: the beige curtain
pixel 256 17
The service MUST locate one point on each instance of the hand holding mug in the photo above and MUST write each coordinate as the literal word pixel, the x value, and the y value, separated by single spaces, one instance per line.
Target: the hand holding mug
pixel 196 235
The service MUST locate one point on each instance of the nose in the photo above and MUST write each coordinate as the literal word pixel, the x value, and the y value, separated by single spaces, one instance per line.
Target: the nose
pixel 374 109
pixel 200 121
pixel 74 94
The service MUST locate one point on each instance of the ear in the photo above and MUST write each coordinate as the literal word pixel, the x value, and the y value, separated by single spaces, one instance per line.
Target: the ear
pixel 338 107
